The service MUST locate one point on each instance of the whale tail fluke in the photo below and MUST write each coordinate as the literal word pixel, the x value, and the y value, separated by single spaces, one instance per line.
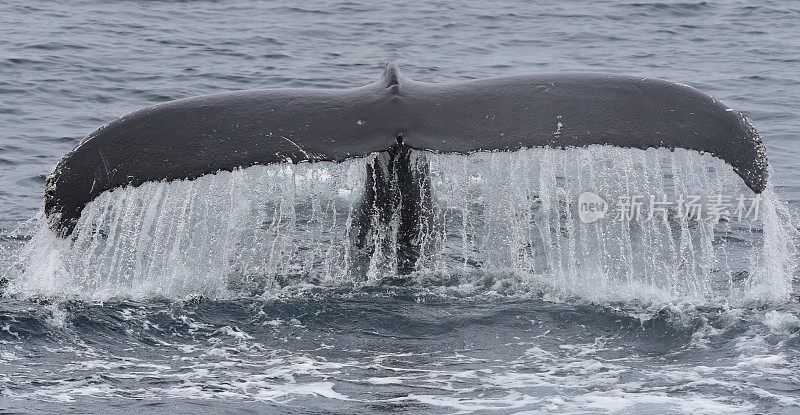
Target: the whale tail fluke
pixel 189 138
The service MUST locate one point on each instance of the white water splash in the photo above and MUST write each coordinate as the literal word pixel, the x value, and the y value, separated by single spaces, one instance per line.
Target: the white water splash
pixel 499 213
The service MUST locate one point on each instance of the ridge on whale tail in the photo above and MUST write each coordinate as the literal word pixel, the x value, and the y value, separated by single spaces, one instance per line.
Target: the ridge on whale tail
pixel 189 138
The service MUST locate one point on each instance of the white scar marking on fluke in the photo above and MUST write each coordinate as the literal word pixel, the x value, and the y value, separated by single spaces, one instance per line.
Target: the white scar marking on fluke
pixel 558 127
pixel 305 153
pixel 105 164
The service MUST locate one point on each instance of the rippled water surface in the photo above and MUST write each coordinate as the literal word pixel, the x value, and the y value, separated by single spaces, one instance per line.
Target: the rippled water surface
pixel 521 310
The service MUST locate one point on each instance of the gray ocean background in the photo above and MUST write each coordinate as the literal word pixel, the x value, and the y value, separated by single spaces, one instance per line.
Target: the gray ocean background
pixel 68 67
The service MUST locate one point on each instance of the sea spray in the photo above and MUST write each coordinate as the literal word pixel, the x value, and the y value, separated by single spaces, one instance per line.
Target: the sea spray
pixel 266 227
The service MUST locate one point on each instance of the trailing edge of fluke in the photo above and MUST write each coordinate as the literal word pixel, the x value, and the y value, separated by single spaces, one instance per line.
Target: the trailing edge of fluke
pixel 192 137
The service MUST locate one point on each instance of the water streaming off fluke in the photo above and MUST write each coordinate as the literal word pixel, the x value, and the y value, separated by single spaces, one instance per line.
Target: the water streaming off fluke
pixel 507 215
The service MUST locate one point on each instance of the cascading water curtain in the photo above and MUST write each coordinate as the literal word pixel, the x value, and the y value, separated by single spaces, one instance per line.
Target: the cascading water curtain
pixel 515 214
pixel 677 225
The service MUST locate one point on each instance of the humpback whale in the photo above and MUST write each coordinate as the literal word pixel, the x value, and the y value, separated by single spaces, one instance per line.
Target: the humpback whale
pixel 397 119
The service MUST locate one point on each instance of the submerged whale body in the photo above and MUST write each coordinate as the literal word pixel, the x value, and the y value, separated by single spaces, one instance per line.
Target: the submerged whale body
pixel 392 118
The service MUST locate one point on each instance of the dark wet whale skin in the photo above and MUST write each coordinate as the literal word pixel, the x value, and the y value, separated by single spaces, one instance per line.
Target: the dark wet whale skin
pixel 189 138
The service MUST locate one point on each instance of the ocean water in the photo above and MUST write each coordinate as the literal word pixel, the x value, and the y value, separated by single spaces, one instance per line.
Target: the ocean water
pixel 234 293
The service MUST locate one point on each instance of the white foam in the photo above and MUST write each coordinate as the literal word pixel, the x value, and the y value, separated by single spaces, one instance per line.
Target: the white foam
pixel 782 323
